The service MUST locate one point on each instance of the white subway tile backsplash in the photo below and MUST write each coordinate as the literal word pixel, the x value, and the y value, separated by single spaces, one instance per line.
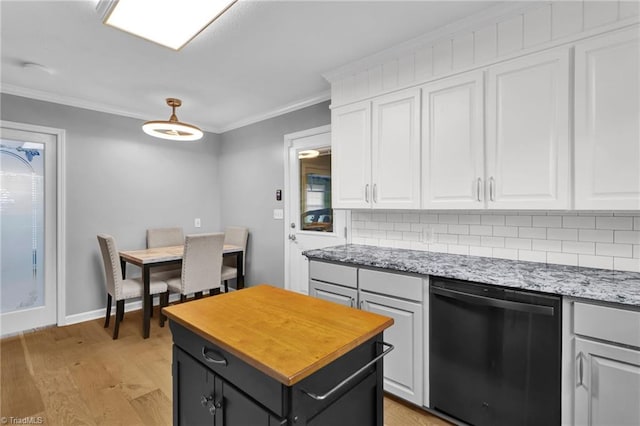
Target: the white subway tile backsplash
pixel 532 256
pixel 537 233
pixel 547 221
pixel 616 250
pixel 518 221
pixel 469 219
pixel 579 247
pixel 562 258
pixel 487 219
pixel 448 218
pixel 505 253
pixel 583 222
pixel 624 264
pixel 480 230
pixel 458 229
pixel 589 261
pixel 615 222
pixel 518 243
pixel 627 237
pixel 505 231
pixel 546 245
pixel 562 234
pixel 596 235
pixel 492 241
pixel 595 239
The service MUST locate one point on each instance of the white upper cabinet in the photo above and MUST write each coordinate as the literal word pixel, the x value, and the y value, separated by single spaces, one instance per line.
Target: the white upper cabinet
pixel 351 156
pixel 528 162
pixel 396 151
pixel 453 143
pixel 607 122
pixel 376 153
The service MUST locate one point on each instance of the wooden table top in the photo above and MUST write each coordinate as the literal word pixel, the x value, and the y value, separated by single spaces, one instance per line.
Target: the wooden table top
pixel 284 334
pixel 163 254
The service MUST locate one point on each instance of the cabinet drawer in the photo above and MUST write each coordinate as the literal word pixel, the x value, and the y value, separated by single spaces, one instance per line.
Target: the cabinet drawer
pixel 257 385
pixel 332 273
pixel 606 323
pixel 396 285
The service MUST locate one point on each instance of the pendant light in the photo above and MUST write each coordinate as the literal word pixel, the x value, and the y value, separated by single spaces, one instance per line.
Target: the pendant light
pixel 172 129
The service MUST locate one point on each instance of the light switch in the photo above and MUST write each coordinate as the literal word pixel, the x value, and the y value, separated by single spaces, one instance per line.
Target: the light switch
pixel 278 214
pixel 196 222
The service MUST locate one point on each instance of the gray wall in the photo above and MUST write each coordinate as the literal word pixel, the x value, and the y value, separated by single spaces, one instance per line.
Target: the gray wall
pixel 252 169
pixel 121 182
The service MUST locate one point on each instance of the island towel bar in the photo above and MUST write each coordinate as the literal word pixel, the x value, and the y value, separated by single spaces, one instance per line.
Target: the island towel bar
pixel 346 381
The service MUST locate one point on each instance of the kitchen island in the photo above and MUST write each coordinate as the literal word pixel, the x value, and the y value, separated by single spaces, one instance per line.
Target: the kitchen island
pixel 269 356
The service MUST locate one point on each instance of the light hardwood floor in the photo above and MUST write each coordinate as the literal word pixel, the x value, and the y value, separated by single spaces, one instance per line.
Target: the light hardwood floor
pixel 78 375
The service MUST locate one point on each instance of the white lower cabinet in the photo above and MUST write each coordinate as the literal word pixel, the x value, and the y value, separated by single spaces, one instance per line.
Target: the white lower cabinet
pixel 607 370
pixel 393 295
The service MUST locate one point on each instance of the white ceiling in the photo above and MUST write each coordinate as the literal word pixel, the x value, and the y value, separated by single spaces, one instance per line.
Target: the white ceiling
pixel 259 59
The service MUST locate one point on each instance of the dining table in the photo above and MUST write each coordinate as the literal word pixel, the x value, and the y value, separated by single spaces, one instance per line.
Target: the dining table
pixel 149 258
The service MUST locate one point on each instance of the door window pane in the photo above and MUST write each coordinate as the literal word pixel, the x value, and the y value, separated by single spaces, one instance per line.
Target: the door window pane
pixel 315 190
pixel 21 225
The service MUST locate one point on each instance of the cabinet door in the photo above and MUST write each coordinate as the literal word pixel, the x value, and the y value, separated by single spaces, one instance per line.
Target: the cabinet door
pixel 238 409
pixel 607 120
pixel 351 156
pixel 193 391
pixel 403 366
pixel 333 293
pixel 607 384
pixel 396 151
pixel 453 143
pixel 528 163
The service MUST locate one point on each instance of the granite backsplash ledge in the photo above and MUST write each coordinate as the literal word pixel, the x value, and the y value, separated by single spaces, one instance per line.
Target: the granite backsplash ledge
pixel 587 283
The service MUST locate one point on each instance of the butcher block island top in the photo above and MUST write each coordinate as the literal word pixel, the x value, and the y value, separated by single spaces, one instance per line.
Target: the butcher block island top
pixel 285 335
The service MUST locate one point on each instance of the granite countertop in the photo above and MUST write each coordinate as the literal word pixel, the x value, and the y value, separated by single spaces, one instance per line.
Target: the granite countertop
pixel 585 283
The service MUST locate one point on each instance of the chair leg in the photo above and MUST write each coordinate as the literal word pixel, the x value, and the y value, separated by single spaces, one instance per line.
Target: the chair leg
pixel 108 315
pixel 183 298
pixel 119 315
pixel 164 301
pixel 226 286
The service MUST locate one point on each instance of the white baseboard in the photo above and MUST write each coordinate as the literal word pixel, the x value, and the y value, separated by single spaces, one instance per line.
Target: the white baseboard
pixel 134 305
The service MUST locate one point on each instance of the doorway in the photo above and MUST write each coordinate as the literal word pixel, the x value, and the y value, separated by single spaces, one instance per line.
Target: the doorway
pixel 30 227
pixel 310 220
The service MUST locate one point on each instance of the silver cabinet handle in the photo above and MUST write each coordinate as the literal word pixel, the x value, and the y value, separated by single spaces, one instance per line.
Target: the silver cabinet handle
pixel 207 357
pixel 366 193
pixel 491 189
pixel 207 402
pixel 375 192
pixel 478 186
pixel 580 359
pixel 351 302
pixel 346 381
pixel 292 237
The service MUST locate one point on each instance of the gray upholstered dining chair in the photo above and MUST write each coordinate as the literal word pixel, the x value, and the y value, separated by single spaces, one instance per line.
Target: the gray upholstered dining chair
pixel 237 236
pixel 164 237
pixel 201 266
pixel 122 289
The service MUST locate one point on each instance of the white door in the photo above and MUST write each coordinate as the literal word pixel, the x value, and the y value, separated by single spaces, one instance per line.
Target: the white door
pixel 453 143
pixel 395 142
pixel 310 220
pixel 28 289
pixel 607 117
pixel 528 163
pixel 351 164
pixel 607 385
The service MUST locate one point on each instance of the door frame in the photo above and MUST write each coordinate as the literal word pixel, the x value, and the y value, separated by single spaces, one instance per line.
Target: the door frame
pixel 288 143
pixel 60 135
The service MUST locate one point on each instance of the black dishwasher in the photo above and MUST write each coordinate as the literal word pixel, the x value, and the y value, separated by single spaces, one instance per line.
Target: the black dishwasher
pixel 495 354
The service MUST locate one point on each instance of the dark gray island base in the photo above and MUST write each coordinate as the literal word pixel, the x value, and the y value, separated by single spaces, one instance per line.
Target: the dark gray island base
pixel 226 376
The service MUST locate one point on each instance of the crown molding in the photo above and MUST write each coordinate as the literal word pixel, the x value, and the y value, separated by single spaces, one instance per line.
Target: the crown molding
pixel 325 95
pixel 486 17
pixel 40 95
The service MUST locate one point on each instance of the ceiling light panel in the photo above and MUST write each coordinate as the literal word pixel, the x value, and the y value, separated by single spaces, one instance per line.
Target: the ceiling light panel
pixel 171 23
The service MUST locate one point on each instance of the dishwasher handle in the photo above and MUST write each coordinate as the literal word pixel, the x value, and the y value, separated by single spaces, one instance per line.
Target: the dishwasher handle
pixel 494 303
